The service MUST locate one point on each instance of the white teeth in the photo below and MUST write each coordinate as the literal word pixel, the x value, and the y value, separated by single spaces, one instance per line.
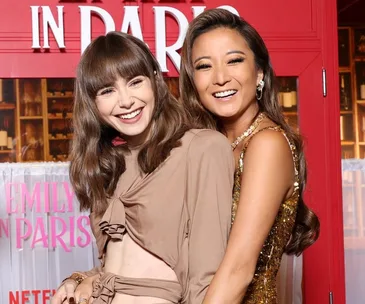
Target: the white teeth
pixel 224 93
pixel 131 115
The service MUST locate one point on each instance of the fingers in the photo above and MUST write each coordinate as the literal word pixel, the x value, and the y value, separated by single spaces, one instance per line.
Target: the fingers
pixel 66 294
pixel 70 292
pixel 83 293
pixel 83 299
pixel 60 296
pixel 84 290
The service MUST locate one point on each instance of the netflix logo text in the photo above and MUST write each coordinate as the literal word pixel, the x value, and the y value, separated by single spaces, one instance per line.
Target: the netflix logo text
pixel 36 296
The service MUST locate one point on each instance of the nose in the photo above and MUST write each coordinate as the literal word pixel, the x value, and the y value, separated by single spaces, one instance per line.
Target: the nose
pixel 125 100
pixel 220 76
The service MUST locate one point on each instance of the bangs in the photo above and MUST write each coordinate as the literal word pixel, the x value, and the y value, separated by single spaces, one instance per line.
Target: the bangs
pixel 111 57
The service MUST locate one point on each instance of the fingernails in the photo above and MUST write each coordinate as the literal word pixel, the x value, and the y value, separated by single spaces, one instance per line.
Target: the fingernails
pixel 72 300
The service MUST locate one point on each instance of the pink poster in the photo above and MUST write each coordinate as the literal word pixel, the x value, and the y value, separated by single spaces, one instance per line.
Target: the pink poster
pixel 43 235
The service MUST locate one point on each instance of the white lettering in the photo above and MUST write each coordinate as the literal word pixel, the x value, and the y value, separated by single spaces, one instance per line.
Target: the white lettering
pixel 130 24
pixel 230 9
pixel 197 10
pixel 85 12
pixel 35 27
pixel 131 19
pixel 160 30
pixel 49 21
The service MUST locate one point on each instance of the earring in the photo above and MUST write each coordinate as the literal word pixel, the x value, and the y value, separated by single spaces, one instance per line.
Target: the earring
pixel 259 89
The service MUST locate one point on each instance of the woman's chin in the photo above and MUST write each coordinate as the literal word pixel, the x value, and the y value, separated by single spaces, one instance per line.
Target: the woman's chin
pixel 226 114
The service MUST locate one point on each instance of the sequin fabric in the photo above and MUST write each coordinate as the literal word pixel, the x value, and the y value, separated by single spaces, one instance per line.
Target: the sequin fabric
pixel 262 289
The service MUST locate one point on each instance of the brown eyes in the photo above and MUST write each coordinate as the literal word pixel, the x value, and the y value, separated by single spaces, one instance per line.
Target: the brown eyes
pixel 204 66
pixel 108 90
pixel 136 82
pixel 236 60
pixel 105 91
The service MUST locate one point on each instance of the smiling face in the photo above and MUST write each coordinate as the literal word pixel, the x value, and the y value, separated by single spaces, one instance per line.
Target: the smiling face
pixel 116 85
pixel 225 74
pixel 128 106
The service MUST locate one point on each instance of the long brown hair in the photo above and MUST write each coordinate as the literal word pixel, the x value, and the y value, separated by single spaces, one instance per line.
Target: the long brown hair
pixel 96 164
pixel 306 229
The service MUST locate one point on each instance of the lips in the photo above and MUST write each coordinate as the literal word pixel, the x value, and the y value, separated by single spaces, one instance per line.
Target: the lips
pixel 224 94
pixel 131 115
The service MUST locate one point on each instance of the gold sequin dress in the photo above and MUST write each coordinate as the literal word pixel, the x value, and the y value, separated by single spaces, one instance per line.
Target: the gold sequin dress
pixel 262 289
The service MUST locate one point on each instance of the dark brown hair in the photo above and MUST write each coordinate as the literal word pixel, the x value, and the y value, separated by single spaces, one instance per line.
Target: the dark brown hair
pixel 306 229
pixel 96 164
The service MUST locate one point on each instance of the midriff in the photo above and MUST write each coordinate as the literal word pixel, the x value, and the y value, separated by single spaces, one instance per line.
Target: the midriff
pixel 127 259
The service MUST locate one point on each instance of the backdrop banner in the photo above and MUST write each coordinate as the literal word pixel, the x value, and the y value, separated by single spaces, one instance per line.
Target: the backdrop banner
pixel 43 235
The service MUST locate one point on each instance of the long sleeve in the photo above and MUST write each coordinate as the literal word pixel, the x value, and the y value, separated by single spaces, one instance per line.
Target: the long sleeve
pixel 100 237
pixel 209 197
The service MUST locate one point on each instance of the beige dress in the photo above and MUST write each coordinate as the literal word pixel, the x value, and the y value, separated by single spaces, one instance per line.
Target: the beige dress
pixel 181 213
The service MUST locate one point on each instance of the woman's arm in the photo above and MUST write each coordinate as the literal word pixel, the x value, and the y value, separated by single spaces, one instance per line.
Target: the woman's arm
pixel 209 198
pixel 267 179
pixel 80 282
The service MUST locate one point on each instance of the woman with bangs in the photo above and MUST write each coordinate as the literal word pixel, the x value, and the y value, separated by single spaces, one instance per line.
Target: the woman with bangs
pixel 159 191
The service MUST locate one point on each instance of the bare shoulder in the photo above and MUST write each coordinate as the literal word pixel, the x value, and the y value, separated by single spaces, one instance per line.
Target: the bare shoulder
pixel 268 162
pixel 269 144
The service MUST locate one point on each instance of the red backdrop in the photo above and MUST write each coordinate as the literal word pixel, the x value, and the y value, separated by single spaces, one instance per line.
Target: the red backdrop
pixel 301 37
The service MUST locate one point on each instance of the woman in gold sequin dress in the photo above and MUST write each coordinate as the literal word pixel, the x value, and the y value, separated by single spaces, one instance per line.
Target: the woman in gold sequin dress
pixel 227 83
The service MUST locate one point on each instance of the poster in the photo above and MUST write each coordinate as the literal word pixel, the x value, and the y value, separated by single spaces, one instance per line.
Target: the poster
pixel 43 235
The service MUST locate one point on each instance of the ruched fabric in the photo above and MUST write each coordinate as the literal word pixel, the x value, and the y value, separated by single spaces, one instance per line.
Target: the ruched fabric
pixel 113 221
pixel 105 287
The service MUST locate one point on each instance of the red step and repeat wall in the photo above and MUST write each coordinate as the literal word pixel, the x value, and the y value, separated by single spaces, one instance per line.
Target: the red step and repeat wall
pixel 43 236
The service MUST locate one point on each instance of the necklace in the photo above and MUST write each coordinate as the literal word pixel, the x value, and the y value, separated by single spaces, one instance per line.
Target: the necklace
pixel 249 131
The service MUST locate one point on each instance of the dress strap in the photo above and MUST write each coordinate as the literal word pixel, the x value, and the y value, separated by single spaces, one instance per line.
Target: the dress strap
pixel 293 150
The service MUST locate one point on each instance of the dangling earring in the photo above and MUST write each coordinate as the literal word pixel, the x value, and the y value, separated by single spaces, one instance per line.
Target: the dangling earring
pixel 259 89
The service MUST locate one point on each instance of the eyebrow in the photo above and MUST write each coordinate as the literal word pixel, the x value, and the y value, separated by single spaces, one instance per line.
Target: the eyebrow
pixel 200 58
pixel 228 53
pixel 236 52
